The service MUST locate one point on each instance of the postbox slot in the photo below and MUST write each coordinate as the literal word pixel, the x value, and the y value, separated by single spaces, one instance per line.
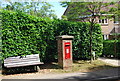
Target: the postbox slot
pixel 67 50
pixel 67 45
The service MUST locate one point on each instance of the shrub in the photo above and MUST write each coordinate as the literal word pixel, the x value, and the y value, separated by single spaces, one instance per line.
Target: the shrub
pixel 23 34
pixel 109 48
pixel 81 41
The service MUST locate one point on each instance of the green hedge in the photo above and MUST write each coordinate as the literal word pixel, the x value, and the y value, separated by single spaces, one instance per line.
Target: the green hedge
pixel 109 48
pixel 23 34
pixel 81 41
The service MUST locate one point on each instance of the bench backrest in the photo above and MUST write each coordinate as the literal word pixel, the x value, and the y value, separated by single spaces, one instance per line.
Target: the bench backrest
pixel 22 61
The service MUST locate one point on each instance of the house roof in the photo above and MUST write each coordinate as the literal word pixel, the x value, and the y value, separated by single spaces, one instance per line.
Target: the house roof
pixel 105 30
pixel 103 8
pixel 116 29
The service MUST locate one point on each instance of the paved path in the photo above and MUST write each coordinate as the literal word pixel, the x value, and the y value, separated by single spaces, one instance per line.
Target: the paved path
pixel 114 62
pixel 86 76
pixel 79 76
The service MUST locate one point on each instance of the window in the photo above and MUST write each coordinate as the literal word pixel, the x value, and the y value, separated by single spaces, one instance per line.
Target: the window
pixel 103 21
pixel 105 37
pixel 106 21
pixel 116 22
pixel 99 21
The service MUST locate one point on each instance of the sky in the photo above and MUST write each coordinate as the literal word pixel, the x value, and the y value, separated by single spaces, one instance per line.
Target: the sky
pixel 59 10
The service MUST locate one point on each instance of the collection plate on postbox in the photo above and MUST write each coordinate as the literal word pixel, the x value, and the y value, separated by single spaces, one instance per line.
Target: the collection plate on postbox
pixel 67 49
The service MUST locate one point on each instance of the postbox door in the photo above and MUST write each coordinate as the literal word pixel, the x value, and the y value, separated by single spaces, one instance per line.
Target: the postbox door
pixel 67 50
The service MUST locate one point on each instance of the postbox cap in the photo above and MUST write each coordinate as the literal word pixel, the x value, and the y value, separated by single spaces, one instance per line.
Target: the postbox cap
pixel 65 37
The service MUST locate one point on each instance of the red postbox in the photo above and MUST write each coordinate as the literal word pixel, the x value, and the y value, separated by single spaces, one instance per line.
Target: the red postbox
pixel 67 50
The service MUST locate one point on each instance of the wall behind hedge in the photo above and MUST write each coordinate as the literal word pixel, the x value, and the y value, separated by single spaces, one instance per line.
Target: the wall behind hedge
pixel 23 34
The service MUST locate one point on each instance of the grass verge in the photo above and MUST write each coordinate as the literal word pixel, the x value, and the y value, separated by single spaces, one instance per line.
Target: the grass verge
pixel 78 66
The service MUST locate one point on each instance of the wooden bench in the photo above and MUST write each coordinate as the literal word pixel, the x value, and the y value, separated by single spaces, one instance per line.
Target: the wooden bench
pixel 28 60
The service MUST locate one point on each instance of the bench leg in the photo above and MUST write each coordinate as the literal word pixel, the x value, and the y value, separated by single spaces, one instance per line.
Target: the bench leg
pixel 37 68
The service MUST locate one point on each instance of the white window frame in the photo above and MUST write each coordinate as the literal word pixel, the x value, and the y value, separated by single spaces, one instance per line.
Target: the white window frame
pixel 105 37
pixel 116 22
pixel 103 21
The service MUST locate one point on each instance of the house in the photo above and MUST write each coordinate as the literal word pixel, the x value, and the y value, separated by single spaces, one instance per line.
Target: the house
pixel 109 26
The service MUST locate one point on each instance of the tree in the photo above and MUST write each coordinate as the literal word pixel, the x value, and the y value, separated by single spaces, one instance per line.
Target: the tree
pixel 116 12
pixel 87 11
pixel 64 17
pixel 40 9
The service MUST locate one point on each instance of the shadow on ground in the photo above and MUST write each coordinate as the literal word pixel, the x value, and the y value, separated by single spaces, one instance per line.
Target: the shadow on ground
pixel 110 79
pixel 50 66
pixel 28 69
pixel 101 75
pixel 82 61
pixel 18 70
pixel 102 67
pixel 111 74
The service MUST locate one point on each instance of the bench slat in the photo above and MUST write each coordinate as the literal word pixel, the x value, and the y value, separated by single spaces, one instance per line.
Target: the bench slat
pixel 18 57
pixel 22 64
pixel 24 61
pixel 21 60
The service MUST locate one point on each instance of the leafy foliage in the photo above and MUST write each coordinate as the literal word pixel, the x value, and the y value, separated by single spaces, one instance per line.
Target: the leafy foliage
pixel 24 34
pixel 86 12
pixel 109 48
pixel 81 41
pixel 40 9
pixel 89 10
pixel 0 37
